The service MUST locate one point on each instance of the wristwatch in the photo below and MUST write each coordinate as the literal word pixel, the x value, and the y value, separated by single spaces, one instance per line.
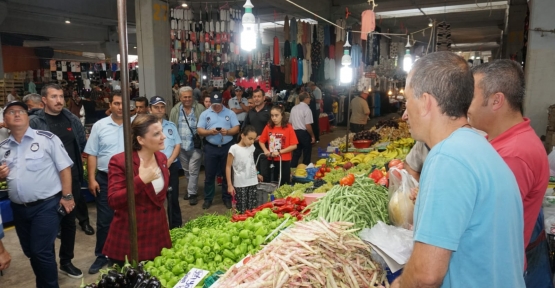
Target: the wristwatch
pixel 68 197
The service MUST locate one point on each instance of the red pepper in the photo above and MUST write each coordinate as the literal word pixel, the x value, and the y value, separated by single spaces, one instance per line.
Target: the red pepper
pixel 280 215
pixel 294 213
pixel 306 211
pixel 299 217
pixel 279 202
pixel 241 217
pixel 286 208
pixel 303 203
pixel 266 205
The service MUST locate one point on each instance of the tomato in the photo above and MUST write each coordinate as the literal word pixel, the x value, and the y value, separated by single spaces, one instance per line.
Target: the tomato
pixel 319 175
pixel 344 182
pixel 338 167
pixel 351 177
pixel 328 169
pixel 394 162
pixel 399 166
pixel 322 170
pixel 383 181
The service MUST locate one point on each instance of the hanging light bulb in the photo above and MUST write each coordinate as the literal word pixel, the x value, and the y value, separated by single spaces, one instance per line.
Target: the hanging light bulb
pixel 389 93
pixel 431 24
pixel 346 73
pixel 248 36
pixel 407 59
pixel 402 91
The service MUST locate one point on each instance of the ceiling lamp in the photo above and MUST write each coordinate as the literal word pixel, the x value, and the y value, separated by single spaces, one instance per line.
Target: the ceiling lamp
pixel 346 73
pixel 184 5
pixel 68 21
pixel 431 23
pixel 402 91
pixel 248 36
pixel 407 59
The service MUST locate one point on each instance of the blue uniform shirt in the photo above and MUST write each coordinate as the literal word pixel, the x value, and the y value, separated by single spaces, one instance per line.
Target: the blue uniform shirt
pixel 35 165
pixel 172 138
pixel 225 119
pixel 105 141
pixel 234 104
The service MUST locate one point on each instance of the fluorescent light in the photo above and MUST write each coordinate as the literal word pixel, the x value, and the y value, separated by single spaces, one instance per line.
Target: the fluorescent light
pixel 68 21
pixel 184 5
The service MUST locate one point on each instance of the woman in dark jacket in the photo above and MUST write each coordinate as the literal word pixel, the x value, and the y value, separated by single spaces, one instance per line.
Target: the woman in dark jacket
pixel 151 179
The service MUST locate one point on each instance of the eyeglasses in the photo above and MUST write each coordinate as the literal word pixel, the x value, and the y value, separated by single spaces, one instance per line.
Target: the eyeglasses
pixel 14 112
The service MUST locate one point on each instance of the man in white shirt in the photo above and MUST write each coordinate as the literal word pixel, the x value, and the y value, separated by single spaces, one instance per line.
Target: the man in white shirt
pixel 12 96
pixel 239 105
pixel 301 120
pixel 318 100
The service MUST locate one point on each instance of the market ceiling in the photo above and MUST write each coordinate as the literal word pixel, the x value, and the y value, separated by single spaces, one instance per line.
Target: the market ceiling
pixel 475 24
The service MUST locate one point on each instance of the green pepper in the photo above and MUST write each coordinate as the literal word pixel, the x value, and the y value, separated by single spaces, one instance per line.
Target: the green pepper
pixel 165 252
pixel 261 231
pixel 259 240
pixel 190 266
pixel 162 269
pixel 228 245
pixel 244 234
pixel 158 261
pixel 177 270
pixel 148 264
pixel 217 258
pixel 246 241
pixel 169 264
pixel 235 240
pixel 199 262
pixel 228 262
pixel 206 249
pixel 224 238
pixel 198 243
pixel 229 254
pixel 171 283
pixel 237 251
pixel 190 259
pixel 168 275
pixel 243 247
pixel 196 231
pixel 198 254
pixel 216 248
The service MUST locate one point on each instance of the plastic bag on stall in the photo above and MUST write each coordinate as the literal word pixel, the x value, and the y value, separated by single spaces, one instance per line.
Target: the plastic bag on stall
pixel 400 206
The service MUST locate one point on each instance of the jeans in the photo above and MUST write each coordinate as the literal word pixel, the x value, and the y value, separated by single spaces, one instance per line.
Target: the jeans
pixel 263 164
pixel 316 124
pixel 304 147
pixel 104 214
pixel 36 228
pixel 215 159
pixel 68 228
pixel 190 162
pixel 538 273
pixel 285 172
pixel 174 218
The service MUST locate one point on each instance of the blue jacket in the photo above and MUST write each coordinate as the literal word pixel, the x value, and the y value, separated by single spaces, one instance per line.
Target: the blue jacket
pixel 37 121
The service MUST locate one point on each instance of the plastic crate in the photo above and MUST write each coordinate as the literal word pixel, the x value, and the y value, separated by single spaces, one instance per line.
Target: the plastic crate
pixel 6 209
pixel 325 154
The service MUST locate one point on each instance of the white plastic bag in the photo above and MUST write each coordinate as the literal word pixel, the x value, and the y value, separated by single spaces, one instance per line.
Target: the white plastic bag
pixel 393 244
pixel 400 206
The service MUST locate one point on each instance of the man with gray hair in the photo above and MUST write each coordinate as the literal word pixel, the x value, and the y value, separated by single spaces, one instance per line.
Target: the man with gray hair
pixel 474 227
pixel 34 102
pixel 185 116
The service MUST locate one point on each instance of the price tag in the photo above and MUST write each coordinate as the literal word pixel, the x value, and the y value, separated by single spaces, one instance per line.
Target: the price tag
pixel 191 279
pixel 370 75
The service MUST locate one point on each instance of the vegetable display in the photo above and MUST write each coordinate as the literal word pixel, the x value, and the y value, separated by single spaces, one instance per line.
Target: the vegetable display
pixel 364 204
pixel 309 254
pixel 204 221
pixel 276 209
pixel 214 249
pixel 367 135
pixel 124 277
pixel 286 190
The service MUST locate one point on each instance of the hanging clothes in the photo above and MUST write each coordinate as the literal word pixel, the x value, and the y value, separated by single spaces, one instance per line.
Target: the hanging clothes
pixel 332 70
pixel 300 51
pixel 368 23
pixel 340 33
pixel 286 49
pixel 300 72
pixel 294 70
pixel 339 51
pixel 320 35
pixel 373 48
pixel 316 58
pixel 308 53
pixel 287 70
pixel 294 51
pixel 276 51
pixel 327 68
pixel 356 55
pixel 286 28
pixel 299 31
pixel 331 53
pixel 332 35
pixel 306 71
pixel 293 29
pixel 326 35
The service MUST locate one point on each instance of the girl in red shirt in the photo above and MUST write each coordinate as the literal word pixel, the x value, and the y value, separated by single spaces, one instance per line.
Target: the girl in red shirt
pixel 281 139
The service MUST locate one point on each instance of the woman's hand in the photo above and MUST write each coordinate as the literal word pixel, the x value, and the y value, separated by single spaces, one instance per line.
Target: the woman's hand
pixel 230 189
pixel 148 174
pixel 274 154
pixel 267 153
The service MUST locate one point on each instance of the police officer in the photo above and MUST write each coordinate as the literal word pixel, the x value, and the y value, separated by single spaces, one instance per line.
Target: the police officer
pixel 218 125
pixel 38 170
pixel 239 105
pixel 64 124
pixel 172 148
pixel 105 141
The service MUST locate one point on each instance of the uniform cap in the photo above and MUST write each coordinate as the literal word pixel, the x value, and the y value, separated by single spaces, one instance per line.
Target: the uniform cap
pixel 216 98
pixel 157 99
pixel 16 103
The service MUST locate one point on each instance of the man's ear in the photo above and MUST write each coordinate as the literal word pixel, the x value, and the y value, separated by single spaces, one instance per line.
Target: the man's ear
pixel 498 101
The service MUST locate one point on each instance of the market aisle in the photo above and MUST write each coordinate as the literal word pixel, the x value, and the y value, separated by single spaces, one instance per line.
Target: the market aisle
pixel 20 273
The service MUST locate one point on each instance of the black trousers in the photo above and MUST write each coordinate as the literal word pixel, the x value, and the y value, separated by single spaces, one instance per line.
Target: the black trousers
pixel 67 225
pixel 316 124
pixel 174 211
pixel 355 128
pixel 81 209
pixel 263 165
pixel 285 172
pixel 304 147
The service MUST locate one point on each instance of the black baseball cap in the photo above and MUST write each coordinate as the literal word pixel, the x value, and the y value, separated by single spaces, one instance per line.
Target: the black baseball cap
pixel 216 98
pixel 16 103
pixel 238 88
pixel 157 99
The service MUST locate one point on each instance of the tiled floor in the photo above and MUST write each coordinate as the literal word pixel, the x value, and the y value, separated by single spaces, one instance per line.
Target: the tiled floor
pixel 21 275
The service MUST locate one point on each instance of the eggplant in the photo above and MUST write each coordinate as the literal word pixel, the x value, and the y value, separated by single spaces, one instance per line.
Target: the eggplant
pixel 102 283
pixel 131 275
pixel 154 283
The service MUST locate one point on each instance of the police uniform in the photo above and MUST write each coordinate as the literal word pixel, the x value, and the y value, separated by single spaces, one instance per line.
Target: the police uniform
pixel 216 149
pixel 236 104
pixel 34 187
pixel 172 139
pixel 105 141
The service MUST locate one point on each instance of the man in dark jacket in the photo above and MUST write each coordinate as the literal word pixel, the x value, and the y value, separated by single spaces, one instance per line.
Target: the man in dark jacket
pixel 68 128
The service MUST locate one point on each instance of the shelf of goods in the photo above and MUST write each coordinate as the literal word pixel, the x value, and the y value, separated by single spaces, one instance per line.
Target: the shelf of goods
pixel 6 86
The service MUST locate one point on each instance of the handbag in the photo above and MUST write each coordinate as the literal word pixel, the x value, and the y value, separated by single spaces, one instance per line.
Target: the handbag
pixel 197 142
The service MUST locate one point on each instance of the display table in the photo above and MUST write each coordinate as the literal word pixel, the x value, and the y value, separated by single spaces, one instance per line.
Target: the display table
pixel 324 123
